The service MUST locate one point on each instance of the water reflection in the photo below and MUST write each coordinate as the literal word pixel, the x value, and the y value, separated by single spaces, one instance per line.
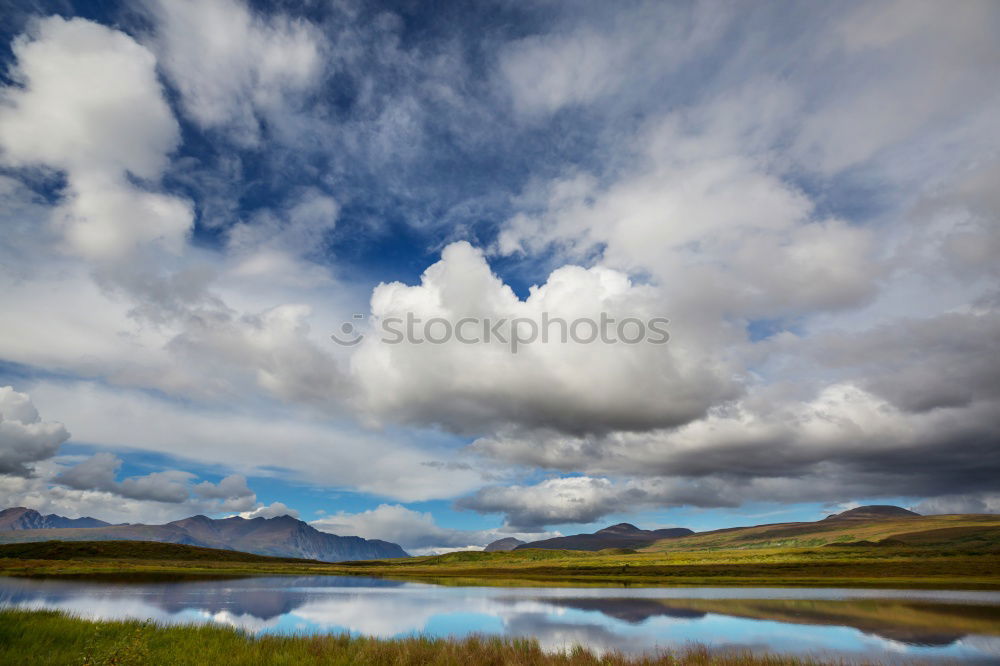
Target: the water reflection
pixel 963 625
pixel 915 622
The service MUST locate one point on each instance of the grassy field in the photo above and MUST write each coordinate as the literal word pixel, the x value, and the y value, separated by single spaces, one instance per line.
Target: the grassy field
pixel 901 566
pixel 959 552
pixel 847 566
pixel 978 532
pixel 45 637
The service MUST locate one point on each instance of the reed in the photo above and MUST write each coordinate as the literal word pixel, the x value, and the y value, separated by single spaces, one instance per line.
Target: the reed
pixel 48 637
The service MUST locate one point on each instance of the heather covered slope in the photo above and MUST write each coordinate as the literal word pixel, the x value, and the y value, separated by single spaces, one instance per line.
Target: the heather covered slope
pixel 858 527
pixel 873 512
pixel 283 536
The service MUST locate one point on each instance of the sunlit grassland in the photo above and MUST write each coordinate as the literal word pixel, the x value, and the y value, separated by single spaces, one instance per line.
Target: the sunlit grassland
pixel 874 567
pixel 958 552
pixel 34 637
pixel 913 567
pixel 956 532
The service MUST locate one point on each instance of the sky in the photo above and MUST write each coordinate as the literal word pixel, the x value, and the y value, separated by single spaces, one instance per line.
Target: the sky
pixel 196 197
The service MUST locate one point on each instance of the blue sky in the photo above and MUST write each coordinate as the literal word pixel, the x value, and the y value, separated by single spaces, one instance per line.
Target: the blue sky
pixel 196 195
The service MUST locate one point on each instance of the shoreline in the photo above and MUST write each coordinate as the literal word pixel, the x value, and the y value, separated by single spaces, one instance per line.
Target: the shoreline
pixel 975 575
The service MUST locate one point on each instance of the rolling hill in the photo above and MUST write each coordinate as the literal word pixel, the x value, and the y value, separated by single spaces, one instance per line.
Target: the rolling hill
pixel 283 536
pixel 622 535
pixel 863 526
pixel 871 547
pixel 503 545
pixel 874 512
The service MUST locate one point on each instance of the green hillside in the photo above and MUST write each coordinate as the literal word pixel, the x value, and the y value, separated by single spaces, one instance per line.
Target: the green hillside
pixel 869 546
pixel 952 531
pixel 958 552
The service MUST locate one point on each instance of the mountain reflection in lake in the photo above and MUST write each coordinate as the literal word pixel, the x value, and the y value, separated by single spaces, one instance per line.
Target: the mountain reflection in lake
pixel 884 624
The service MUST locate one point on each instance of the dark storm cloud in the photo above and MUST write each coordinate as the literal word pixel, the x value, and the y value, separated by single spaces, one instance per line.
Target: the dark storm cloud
pixel 24 437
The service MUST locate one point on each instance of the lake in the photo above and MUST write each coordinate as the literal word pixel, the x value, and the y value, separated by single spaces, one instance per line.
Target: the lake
pixel 883 624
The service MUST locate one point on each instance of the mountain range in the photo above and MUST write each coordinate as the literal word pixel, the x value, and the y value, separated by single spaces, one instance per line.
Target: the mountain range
pixel 283 536
pixel 19 518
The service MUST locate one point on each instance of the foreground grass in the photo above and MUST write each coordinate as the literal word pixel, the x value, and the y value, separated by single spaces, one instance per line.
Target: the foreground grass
pixel 47 637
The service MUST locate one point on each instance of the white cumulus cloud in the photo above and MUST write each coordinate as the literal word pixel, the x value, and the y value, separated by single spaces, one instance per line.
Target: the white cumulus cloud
pixel 272 510
pixel 90 105
pixel 572 386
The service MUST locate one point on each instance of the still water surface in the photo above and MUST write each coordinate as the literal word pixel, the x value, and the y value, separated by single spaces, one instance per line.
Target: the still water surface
pixel 883 624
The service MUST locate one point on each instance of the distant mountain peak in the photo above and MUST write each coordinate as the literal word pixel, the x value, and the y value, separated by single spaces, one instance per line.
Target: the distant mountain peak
pixel 17 511
pixel 282 536
pixel 620 528
pixel 192 520
pixel 195 519
pixel 23 518
pixel 505 544
pixel 873 512
pixel 622 535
